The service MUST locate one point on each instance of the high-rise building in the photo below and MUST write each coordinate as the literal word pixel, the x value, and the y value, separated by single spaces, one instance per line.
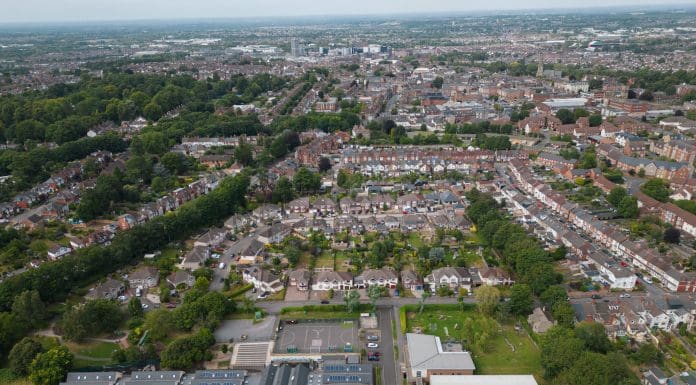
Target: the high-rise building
pixel 296 49
pixel 540 68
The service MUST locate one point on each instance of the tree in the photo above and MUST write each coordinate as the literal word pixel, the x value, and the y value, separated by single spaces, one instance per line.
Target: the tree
pixel 51 367
pixel 94 317
pixel 657 189
pixel 588 160
pixel 424 296
pixel 160 324
pixel 352 300
pixel 29 308
pixel 244 154
pixel 306 181
pixel 593 336
pixel 563 313
pixel 521 300
pixel 671 235
pixel 647 354
pixel 487 298
pixel 135 307
pixel 324 164
pixel 566 116
pixel 616 195
pixel 22 354
pixel 553 295
pixel 437 82
pixel 283 191
pixel 559 350
pixel 374 292
pixel 595 120
pixel 592 368
pixel 628 207
pixel 184 352
pixel 174 162
pixel 540 276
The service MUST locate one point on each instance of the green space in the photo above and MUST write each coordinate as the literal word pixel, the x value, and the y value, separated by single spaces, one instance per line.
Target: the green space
pixel 496 348
pixel 93 353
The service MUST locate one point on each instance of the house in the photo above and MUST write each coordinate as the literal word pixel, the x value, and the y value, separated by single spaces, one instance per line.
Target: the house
pixel 427 356
pixel 539 321
pixel 181 278
pixel 57 251
pixel 143 277
pixel 410 280
pixel 109 289
pixel 384 277
pixel 274 233
pixel 195 258
pixel 249 250
pixel 495 276
pixel 299 278
pixel 212 238
pixel 329 279
pixel 262 279
pixel 452 277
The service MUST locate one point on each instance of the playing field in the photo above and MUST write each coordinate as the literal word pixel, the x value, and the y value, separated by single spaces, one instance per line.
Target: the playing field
pixel 318 337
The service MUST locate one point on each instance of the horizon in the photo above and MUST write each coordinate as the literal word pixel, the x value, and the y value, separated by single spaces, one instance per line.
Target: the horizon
pixel 506 7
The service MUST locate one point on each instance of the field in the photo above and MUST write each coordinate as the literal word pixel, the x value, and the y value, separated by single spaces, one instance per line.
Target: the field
pixel 496 348
pixel 92 353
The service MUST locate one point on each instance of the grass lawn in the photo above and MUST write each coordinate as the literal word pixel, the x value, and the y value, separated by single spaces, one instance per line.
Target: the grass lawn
pixel 490 343
pixel 92 353
pixel 415 239
pixel 326 259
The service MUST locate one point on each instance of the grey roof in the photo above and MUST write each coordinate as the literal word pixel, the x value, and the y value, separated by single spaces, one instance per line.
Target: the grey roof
pixel 425 353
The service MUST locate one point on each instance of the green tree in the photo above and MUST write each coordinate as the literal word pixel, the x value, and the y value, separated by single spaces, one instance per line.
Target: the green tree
pixel 306 181
pixel 487 299
pixel 563 313
pixel 22 354
pixel 657 189
pixel 29 308
pixel 283 191
pixel 593 336
pixel 352 300
pixel 135 307
pixel 437 83
pixel 51 367
pixel 559 350
pixel 616 195
pixel 521 300
pixel 553 295
pixel 174 162
pixel 597 369
pixel 424 296
pixel 566 116
pixel 374 292
pixel 628 207
pixel 160 324
pixel 595 120
pixel 244 154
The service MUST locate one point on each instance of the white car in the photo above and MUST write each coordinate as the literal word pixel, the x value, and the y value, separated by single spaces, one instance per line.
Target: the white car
pixel 625 295
pixel 145 306
pixel 372 345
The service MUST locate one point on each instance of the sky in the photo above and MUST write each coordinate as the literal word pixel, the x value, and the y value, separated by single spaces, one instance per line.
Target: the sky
pixel 33 11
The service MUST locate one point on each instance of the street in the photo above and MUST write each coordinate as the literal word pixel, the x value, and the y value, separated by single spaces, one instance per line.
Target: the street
pixel 387 361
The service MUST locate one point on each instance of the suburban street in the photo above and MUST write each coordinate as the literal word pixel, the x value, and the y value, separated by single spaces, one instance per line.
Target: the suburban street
pixel 388 361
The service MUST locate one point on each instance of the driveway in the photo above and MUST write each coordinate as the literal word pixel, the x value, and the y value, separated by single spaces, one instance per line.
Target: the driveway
pixel 294 295
pixel 234 329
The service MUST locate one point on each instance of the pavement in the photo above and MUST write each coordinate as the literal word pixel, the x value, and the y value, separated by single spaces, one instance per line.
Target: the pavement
pixel 386 346
pixel 234 329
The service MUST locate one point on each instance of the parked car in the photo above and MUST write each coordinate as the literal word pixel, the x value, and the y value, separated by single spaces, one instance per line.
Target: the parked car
pixel 596 296
pixel 324 301
pixel 372 338
pixel 372 345
pixel 291 321
pixel 625 295
pixel 264 295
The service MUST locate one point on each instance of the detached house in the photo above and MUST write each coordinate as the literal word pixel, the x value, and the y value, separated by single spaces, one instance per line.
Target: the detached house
pixel 110 289
pixel 327 280
pixel 274 234
pixel 410 280
pixel 195 258
pixel 181 278
pixel 262 279
pixel 144 277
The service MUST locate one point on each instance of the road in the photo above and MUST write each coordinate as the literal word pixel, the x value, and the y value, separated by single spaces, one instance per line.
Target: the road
pixel 388 362
pixel 274 307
